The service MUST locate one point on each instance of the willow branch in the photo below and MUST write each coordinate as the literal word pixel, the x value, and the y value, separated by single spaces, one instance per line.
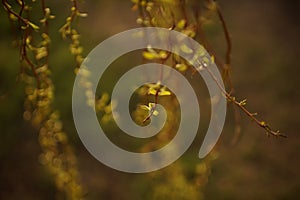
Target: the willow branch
pixel 241 105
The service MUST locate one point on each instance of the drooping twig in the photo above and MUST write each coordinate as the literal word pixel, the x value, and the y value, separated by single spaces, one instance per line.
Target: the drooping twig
pixel 241 105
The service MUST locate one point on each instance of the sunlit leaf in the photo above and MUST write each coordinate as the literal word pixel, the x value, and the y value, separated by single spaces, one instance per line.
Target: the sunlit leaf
pixel 35 27
pixel 150 56
pixel 164 93
pixel 181 67
pixel 181 24
pixel 185 49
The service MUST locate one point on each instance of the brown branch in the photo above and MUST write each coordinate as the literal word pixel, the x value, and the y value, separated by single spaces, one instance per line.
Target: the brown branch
pixel 227 72
pixel 227 66
pixel 205 42
pixel 23 50
pixel 46 29
pixel 232 99
pixel 20 18
pixel 227 36
pixel 22 4
pixel 28 61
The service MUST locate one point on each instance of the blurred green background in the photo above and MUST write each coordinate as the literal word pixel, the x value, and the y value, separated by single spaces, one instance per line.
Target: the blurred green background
pixel 265 36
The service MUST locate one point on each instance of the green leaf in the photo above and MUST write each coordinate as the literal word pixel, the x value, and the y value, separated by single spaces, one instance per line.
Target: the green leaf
pixel 144 107
pixel 155 113
pixel 164 92
pixel 150 55
pixel 152 91
pixel 35 27
pixel 181 67
pixel 185 49
pixel 181 24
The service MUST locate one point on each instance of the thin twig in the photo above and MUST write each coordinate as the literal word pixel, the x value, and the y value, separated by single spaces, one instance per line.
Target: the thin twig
pixel 28 61
pixel 7 7
pixel 262 124
pixel 227 36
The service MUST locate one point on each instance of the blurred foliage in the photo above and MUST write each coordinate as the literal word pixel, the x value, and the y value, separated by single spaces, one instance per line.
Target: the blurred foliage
pixel 265 37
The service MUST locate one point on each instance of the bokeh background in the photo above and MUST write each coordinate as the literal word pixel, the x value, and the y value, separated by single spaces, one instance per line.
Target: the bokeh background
pixel 265 61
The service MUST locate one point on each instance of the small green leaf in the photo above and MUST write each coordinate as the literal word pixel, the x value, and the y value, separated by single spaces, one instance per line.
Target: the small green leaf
pixel 243 102
pixel 35 27
pixel 152 91
pixel 82 14
pixel 164 92
pixel 144 107
pixel 150 55
pixel 212 58
pixel 155 113
pixel 41 53
pixel 163 54
pixel 181 24
pixel 189 32
pixel 181 67
pixel 185 49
